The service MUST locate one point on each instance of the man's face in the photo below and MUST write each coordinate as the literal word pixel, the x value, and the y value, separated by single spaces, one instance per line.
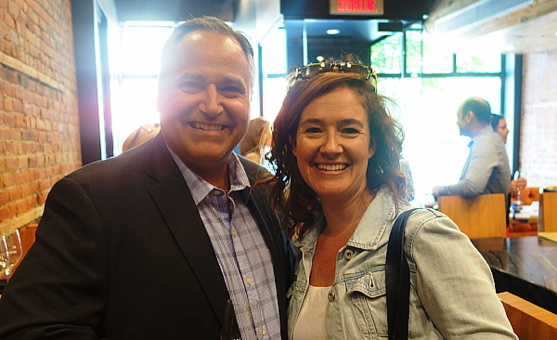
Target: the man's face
pixel 203 100
pixel 463 121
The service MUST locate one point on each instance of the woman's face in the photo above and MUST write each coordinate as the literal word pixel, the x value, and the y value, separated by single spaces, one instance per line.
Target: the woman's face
pixel 333 145
pixel 502 129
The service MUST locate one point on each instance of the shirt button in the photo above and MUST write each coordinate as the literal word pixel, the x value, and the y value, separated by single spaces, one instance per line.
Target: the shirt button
pixel 331 296
pixel 233 233
pixel 249 281
pixel 348 254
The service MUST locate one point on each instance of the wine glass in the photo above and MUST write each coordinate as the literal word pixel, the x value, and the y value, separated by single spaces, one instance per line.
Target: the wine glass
pixel 249 310
pixel 15 252
pixel 518 185
pixel 230 329
pixel 4 255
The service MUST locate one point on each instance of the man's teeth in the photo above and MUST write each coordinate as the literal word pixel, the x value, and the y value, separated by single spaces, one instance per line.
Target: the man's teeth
pixel 331 167
pixel 208 127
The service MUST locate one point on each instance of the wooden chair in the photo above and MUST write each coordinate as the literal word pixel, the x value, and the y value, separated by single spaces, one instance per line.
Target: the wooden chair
pixel 529 322
pixel 548 212
pixel 480 217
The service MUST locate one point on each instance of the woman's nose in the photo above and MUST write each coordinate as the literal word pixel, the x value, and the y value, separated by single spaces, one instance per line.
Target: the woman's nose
pixel 210 104
pixel 331 144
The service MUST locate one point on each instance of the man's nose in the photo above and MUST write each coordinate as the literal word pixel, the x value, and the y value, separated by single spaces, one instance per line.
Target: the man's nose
pixel 210 104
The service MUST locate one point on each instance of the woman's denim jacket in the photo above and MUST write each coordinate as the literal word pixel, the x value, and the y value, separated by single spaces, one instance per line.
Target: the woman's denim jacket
pixel 452 294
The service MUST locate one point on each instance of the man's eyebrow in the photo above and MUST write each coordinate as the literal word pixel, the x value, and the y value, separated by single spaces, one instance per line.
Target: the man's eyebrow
pixel 200 77
pixel 194 76
pixel 234 80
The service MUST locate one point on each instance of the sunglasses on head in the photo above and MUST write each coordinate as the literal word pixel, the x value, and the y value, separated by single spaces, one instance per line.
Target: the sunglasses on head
pixel 311 70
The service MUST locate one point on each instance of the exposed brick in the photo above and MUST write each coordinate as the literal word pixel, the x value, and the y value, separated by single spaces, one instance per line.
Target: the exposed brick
pixel 39 125
pixel 538 138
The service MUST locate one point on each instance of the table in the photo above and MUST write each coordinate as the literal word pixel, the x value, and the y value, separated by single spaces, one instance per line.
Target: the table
pixel 528 213
pixel 524 266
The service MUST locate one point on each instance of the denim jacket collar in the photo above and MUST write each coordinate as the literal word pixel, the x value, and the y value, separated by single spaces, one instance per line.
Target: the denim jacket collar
pixel 370 233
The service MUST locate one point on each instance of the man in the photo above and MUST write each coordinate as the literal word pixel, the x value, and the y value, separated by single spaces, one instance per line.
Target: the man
pixel 486 170
pixel 154 243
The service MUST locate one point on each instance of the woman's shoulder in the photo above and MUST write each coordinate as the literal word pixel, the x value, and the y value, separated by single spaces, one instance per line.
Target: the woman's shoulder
pixel 429 220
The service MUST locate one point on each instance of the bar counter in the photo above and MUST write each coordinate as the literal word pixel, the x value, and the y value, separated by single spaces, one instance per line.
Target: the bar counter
pixel 524 266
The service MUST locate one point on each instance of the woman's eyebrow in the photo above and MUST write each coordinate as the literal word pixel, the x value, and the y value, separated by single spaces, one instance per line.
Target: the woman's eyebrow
pixel 352 121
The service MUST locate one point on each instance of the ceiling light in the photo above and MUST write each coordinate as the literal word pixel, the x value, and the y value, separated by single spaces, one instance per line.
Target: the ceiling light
pixel 333 31
pixel 508 48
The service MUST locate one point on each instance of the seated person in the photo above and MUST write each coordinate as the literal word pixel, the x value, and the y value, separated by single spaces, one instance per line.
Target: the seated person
pixel 486 170
pixel 499 125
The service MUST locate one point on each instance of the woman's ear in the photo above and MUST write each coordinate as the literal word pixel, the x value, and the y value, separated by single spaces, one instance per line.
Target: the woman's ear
pixel 372 146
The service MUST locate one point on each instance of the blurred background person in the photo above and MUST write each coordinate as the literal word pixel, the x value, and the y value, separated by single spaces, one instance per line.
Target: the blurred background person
pixel 338 187
pixel 257 140
pixel 140 135
pixel 499 125
pixel 486 170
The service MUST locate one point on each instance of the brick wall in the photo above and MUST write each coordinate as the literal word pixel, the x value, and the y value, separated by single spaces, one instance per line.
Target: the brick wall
pixel 39 124
pixel 538 139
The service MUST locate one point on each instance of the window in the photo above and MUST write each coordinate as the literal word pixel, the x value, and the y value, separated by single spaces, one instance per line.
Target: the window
pixel 428 85
pixel 135 67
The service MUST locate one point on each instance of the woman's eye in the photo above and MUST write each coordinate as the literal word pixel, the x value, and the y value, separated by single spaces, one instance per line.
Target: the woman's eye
pixel 313 130
pixel 350 131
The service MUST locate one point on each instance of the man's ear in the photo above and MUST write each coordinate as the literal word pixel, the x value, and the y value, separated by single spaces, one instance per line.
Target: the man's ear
pixel 470 116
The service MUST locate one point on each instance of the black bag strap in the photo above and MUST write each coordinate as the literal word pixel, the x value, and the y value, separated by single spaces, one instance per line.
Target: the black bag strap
pixel 397 277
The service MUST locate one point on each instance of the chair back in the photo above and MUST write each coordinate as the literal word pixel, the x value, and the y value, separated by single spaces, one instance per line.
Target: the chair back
pixel 529 322
pixel 479 217
pixel 548 212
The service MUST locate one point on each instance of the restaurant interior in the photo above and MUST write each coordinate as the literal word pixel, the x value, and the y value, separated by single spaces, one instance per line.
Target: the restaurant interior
pixel 77 77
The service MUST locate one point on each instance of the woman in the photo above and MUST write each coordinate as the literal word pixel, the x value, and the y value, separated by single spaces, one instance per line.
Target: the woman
pixel 338 188
pixel 256 140
pixel 499 125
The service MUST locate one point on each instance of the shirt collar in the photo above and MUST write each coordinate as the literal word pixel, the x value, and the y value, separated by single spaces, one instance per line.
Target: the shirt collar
pixel 370 232
pixel 200 188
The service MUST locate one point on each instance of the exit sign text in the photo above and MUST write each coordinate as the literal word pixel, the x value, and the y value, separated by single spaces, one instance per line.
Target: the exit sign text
pixel 356 7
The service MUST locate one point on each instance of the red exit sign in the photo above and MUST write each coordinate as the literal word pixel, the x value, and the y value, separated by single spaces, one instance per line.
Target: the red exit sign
pixel 356 7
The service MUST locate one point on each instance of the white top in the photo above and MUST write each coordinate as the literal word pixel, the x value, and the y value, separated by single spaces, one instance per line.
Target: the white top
pixel 311 321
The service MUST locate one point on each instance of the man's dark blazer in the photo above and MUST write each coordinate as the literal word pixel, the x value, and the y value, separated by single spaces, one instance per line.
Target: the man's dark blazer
pixel 121 253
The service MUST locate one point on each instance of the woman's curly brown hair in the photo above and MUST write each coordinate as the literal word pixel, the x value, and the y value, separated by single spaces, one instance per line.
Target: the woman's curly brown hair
pixel 295 202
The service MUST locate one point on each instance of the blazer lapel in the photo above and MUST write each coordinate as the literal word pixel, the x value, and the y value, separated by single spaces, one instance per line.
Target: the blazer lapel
pixel 176 204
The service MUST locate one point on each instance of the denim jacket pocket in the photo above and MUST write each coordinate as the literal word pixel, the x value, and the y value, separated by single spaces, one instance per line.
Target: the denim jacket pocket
pixel 366 292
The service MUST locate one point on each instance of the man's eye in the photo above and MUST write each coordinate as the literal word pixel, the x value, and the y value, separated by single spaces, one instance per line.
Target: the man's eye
pixel 231 91
pixel 190 87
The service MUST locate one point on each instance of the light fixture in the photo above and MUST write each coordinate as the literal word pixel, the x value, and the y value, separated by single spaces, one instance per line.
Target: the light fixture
pixel 333 31
pixel 508 48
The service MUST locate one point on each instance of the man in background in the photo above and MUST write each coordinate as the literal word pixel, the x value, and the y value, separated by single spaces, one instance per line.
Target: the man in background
pixel 486 170
pixel 165 240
